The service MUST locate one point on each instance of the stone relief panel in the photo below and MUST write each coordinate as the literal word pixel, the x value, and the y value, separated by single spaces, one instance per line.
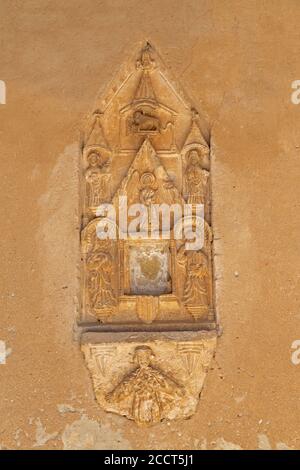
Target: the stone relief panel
pixel 148 381
pixel 144 147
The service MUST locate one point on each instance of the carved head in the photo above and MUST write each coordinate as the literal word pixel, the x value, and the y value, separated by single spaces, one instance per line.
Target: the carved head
pixel 147 179
pixel 93 159
pixel 137 117
pixel 143 356
pixel 194 157
pixel 96 159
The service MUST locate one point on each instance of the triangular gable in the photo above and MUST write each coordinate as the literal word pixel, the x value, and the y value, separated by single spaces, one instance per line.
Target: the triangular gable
pixel 195 136
pixel 145 88
pixel 131 66
pixel 145 164
pixel 96 138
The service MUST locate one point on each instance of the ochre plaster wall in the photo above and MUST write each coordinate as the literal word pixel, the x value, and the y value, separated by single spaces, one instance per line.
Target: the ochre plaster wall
pixel 236 60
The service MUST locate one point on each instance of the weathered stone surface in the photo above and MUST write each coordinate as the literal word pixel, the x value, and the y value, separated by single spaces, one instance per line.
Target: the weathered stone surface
pixel 144 269
pixel 151 377
pixel 236 60
pixel 154 156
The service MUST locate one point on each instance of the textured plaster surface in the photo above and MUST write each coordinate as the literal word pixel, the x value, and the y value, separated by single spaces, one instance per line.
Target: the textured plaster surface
pixel 236 60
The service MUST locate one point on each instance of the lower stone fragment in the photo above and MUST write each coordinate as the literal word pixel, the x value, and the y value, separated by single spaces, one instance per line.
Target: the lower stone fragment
pixel 149 377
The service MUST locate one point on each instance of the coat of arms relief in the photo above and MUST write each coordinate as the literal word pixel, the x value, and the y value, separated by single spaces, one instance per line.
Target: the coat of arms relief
pixel 147 293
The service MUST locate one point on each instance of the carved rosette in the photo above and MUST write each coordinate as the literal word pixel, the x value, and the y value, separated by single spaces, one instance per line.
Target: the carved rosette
pixel 143 146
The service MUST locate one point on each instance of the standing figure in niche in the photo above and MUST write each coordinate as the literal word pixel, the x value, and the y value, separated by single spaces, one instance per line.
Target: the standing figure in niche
pixel 196 179
pixel 196 279
pixel 100 280
pixel 145 395
pixel 97 180
pixel 171 193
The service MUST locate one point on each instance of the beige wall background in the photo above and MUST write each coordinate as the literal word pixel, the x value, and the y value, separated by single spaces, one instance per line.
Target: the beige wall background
pixel 236 60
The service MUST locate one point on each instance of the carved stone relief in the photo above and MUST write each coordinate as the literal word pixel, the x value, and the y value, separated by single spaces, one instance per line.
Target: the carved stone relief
pixel 144 146
pixel 149 380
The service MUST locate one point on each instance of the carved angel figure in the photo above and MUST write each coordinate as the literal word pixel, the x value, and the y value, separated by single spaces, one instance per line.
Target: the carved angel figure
pixel 196 179
pixel 100 280
pixel 146 394
pixel 97 180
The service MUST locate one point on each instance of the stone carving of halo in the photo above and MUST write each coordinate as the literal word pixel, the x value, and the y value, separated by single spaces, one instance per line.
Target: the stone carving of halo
pixel 147 179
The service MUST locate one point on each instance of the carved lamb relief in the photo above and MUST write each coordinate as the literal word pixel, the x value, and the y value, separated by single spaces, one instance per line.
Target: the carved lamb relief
pixel 146 246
